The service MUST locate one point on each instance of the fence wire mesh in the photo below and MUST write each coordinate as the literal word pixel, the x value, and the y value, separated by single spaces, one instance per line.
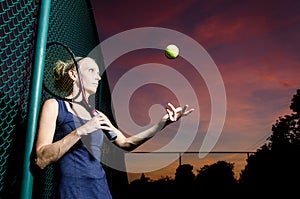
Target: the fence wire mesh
pixel 72 23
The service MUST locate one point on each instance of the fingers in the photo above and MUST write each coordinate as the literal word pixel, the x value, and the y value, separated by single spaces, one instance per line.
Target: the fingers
pixel 170 114
pixel 100 121
pixel 184 108
pixel 188 112
pixel 171 106
pixel 104 122
pixel 171 110
pixel 175 113
pixel 185 112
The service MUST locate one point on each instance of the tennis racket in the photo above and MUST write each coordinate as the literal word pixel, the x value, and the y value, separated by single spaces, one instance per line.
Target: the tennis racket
pixel 59 85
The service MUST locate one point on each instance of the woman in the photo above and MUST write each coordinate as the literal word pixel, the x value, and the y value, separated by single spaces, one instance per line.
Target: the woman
pixel 79 174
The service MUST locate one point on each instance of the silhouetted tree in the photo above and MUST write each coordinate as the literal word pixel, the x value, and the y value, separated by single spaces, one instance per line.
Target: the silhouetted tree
pixel 139 188
pixel 184 174
pixel 184 180
pixel 295 105
pixel 163 188
pixel 148 189
pixel 216 180
pixel 274 168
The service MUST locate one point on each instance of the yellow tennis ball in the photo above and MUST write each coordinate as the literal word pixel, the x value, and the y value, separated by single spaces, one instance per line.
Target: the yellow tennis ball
pixel 172 51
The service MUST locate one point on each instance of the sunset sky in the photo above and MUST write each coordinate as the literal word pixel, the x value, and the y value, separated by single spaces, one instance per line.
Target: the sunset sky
pixel 254 44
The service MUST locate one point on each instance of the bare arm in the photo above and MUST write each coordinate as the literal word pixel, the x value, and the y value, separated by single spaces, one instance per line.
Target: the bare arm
pixel 48 151
pixel 131 143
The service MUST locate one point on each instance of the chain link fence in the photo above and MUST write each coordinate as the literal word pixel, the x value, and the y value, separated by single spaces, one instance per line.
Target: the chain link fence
pixel 70 22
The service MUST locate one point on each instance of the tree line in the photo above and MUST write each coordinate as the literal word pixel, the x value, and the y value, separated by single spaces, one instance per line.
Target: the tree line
pixel 272 171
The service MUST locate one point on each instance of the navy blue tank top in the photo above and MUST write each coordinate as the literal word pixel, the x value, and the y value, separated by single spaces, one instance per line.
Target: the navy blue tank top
pixel 79 173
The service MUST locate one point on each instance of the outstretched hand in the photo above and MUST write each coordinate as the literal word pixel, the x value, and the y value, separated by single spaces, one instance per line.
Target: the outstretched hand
pixel 175 113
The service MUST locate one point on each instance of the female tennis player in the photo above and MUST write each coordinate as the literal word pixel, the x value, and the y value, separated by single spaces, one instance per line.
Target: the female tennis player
pixel 78 173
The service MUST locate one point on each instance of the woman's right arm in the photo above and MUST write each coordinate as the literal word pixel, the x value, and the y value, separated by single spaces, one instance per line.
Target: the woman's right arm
pixel 46 151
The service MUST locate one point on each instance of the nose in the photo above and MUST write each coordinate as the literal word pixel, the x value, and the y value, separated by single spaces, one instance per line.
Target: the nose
pixel 98 77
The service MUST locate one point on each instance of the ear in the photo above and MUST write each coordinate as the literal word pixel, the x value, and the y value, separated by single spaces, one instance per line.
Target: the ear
pixel 72 74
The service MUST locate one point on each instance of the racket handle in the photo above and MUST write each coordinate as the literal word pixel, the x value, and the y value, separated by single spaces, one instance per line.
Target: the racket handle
pixel 109 134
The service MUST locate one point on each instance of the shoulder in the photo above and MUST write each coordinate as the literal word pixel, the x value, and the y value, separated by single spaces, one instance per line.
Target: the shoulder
pixel 50 105
pixel 51 102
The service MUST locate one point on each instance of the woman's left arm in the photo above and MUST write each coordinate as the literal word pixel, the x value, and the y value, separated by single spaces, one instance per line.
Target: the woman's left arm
pixel 130 143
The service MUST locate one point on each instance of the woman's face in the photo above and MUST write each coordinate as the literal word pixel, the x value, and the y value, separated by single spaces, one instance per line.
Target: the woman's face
pixel 90 75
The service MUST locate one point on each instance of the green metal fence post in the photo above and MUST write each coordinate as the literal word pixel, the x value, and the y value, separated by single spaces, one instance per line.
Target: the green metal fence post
pixel 35 97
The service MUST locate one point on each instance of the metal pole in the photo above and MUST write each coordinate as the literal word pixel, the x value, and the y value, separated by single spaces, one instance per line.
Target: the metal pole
pixel 180 159
pixel 35 97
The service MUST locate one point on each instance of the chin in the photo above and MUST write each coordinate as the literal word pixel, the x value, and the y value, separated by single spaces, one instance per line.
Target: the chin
pixel 91 91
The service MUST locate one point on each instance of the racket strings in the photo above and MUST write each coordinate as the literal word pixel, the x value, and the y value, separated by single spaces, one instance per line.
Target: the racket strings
pixel 62 80
pixel 59 61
